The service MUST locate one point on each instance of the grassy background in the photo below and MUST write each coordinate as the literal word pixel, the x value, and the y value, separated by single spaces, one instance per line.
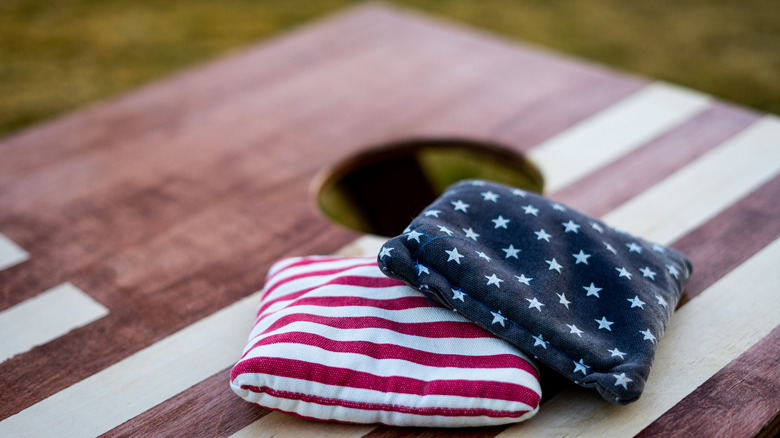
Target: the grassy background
pixel 58 55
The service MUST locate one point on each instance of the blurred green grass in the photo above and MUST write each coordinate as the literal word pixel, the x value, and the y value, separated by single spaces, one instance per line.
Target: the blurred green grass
pixel 57 56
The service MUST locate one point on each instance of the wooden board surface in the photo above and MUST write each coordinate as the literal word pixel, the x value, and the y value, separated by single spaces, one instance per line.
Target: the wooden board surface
pixel 150 221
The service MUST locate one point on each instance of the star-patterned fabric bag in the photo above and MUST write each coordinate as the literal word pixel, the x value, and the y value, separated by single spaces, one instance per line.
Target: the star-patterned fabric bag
pixel 337 340
pixel 587 300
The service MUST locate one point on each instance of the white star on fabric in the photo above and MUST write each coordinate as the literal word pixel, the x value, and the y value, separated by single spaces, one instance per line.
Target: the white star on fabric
pixel 444 229
pixel 470 234
pixel 658 248
pixel 494 280
pixel 563 300
pixel 672 270
pixel 581 257
pixel 661 301
pixel 575 330
pixel 489 196
pixel 633 247
pixel 571 226
pixel 603 323
pixel 530 209
pixel 596 227
pixel 511 251
pixel 520 193
pixel 648 336
pixel 523 279
pixel 538 340
pixel 385 252
pixel 621 379
pixel 483 255
pixel 414 234
pixel 559 207
pixel 454 255
pixel 478 183
pixel 498 318
pixel 622 272
pixel 460 205
pixel 422 269
pixel 535 304
pixel 617 353
pixel 647 272
pixel 636 302
pixel 609 248
pixel 592 290
pixel 542 235
pixel 554 265
pixel 458 294
pixel 580 366
pixel 434 213
pixel 500 222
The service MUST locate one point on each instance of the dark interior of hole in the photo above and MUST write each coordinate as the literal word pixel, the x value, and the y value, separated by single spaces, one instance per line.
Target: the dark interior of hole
pixel 381 192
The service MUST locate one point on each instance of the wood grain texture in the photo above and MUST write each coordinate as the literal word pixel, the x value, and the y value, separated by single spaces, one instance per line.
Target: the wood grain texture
pixel 743 396
pixel 166 221
pixel 170 203
pixel 207 409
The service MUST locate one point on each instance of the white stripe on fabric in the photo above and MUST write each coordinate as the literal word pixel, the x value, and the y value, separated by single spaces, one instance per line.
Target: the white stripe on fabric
pixel 10 253
pixel 486 346
pixel 706 334
pixel 301 386
pixel 705 187
pixel 361 415
pixel 419 314
pixel 315 280
pixel 314 267
pixel 343 290
pixel 46 317
pixel 614 132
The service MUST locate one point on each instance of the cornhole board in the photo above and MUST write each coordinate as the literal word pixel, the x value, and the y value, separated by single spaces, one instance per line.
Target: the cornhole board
pixel 135 233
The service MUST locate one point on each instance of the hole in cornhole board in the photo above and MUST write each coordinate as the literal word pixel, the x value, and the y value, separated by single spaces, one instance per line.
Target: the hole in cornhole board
pixel 379 191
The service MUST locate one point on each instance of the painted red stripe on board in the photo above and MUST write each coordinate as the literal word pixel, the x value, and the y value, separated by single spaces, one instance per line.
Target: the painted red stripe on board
pixel 392 351
pixel 371 282
pixel 396 384
pixel 447 412
pixel 437 329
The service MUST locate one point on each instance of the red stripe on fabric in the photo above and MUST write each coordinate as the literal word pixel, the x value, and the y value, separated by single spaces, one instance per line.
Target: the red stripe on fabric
pixel 435 329
pixel 316 273
pixel 309 261
pixel 350 280
pixel 445 412
pixel 344 377
pixel 407 353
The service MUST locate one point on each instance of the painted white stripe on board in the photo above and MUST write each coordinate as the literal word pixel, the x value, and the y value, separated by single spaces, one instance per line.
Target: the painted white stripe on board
pixel 704 336
pixel 10 253
pixel 286 426
pixel 46 317
pixel 614 132
pixel 110 397
pixel 705 187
